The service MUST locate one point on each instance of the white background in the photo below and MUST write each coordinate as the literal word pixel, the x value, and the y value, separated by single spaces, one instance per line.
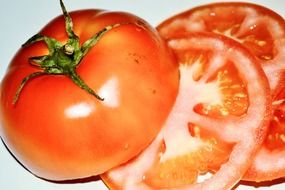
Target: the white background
pixel 19 20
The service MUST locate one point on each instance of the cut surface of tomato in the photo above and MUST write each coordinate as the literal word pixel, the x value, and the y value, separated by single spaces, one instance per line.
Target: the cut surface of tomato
pixel 217 123
pixel 261 30
pixel 269 163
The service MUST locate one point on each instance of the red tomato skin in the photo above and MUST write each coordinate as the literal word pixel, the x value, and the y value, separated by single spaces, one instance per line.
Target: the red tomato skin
pixel 59 131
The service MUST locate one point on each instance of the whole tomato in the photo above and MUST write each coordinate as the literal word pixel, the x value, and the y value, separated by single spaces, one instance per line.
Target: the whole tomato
pixel 88 93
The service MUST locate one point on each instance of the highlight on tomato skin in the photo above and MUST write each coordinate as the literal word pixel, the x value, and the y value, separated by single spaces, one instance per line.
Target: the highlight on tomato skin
pixel 61 132
pixel 209 138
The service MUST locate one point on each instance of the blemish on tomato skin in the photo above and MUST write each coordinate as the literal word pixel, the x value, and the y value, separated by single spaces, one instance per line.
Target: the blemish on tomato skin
pixel 137 58
pixel 126 146
pixel 136 61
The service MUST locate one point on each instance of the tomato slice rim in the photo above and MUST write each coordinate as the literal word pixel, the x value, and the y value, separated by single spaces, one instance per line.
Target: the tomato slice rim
pixel 269 163
pixel 193 20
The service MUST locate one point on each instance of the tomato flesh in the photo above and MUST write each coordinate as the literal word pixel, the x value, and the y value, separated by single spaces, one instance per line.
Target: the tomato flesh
pixel 262 31
pixel 186 169
pixel 269 164
pixel 276 136
pixel 259 29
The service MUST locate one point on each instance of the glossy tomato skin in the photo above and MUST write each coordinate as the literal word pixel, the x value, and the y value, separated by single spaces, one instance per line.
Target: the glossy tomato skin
pixel 59 131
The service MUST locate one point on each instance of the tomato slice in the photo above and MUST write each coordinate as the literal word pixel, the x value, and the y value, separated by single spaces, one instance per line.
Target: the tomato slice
pixel 262 31
pixel 259 29
pixel 269 163
pixel 217 123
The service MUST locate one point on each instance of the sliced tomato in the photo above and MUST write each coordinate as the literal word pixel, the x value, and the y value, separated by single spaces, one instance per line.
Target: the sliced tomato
pixel 262 31
pixel 218 121
pixel 259 29
pixel 269 163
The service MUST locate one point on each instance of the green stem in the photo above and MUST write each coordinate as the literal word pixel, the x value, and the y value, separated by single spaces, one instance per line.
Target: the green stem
pixel 24 81
pixel 79 82
pixel 68 21
pixel 63 59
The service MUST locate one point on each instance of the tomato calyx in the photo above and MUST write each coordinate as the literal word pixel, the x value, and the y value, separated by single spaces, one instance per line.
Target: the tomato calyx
pixel 63 59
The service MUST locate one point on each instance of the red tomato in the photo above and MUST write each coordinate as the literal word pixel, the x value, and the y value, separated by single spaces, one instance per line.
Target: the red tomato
pixel 217 123
pixel 261 30
pixel 58 130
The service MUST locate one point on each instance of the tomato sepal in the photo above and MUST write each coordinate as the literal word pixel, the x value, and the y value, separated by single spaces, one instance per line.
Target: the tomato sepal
pixel 63 59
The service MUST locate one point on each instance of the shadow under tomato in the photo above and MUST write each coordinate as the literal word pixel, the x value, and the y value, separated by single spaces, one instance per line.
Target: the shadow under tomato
pixel 81 180
pixel 261 184
pixel 73 181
